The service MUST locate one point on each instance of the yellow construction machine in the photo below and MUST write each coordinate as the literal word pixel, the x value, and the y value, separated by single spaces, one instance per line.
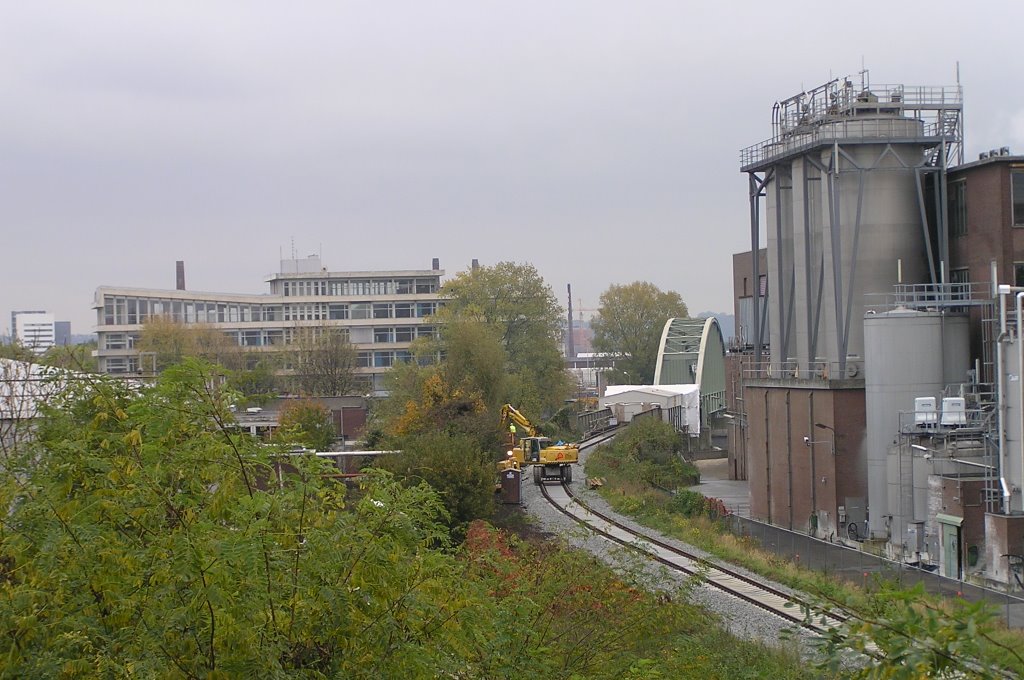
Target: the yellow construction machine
pixel 549 461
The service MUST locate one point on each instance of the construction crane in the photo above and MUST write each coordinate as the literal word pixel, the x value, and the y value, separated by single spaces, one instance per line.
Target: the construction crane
pixel 549 461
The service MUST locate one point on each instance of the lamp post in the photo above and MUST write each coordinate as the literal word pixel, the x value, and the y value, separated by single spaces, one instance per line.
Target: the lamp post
pixel 831 429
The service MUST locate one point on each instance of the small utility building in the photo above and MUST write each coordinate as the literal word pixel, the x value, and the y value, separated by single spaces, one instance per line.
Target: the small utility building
pixel 675 404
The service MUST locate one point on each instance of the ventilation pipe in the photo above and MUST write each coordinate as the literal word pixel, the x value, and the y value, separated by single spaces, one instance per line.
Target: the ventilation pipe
pixel 1020 405
pixel 1000 398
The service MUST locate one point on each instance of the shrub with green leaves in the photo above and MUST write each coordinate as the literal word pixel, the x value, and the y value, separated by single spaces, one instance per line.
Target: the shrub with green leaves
pixel 143 536
pixel 648 450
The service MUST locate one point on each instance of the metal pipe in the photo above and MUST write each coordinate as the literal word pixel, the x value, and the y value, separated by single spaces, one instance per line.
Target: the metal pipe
pixel 1000 401
pixel 970 462
pixel 1020 367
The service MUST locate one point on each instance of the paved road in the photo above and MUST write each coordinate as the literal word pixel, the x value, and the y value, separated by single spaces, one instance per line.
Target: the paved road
pixel 715 483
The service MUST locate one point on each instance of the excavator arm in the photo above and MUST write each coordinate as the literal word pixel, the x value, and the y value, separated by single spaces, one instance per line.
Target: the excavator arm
pixel 510 414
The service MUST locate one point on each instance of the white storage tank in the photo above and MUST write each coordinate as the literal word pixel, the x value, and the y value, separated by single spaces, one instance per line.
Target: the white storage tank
pixel 909 355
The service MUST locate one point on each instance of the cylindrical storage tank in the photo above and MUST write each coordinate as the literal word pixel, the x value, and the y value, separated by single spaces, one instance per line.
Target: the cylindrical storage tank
pixel 888 238
pixel 907 354
pixel 821 278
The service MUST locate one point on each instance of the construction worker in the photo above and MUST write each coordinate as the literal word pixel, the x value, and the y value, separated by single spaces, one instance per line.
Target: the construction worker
pixel 512 433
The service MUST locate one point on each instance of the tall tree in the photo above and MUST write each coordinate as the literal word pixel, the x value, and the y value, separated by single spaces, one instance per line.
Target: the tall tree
pixel 72 357
pixel 308 423
pixel 323 361
pixel 169 342
pixel 629 324
pixel 455 466
pixel 519 308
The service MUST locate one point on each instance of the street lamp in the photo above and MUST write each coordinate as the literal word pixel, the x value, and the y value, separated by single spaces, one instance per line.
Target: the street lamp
pixel 823 426
pixel 927 452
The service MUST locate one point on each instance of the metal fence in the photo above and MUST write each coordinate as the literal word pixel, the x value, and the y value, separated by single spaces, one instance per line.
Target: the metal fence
pixel 869 570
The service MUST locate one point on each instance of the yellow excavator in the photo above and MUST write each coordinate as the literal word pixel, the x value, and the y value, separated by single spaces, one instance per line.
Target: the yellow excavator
pixel 549 461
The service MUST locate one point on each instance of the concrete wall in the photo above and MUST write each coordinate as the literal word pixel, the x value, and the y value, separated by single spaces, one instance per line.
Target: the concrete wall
pixel 1005 536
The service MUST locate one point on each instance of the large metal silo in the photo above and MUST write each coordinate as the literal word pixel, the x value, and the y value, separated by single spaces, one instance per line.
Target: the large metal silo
pixel 844 212
pixel 908 354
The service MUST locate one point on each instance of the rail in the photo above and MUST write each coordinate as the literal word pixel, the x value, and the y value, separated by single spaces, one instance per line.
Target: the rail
pixel 845 131
pixel 777 601
pixel 820 371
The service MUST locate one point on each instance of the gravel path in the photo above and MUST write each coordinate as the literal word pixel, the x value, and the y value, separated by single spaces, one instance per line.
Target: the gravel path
pixel 741 618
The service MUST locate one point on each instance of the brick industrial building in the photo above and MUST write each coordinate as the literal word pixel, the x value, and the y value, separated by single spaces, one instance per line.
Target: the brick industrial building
pixel 873 387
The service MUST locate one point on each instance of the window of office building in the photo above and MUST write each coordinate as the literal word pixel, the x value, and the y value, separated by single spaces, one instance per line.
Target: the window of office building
pixel 273 337
pixel 426 286
pixel 1017 189
pixel 359 310
pixel 346 287
pixel 364 359
pixel 382 287
pixel 405 334
pixel 425 308
pixel 337 311
pixel 116 341
pixel 385 334
pixel 958 208
pixel 383 359
pixel 251 338
pixel 117 364
pixel 382 310
pixel 426 332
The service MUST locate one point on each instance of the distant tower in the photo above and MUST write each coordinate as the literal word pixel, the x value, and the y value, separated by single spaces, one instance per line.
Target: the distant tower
pixel 570 344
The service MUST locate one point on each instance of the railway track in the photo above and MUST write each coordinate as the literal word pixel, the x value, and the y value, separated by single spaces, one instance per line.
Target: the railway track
pixel 740 586
pixel 779 602
pixel 786 605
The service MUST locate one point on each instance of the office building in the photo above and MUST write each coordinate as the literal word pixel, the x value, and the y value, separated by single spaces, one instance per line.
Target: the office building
pixel 382 312
pixel 34 330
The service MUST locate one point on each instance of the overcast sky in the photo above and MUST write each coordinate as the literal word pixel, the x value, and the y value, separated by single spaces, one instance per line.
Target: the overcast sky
pixel 597 140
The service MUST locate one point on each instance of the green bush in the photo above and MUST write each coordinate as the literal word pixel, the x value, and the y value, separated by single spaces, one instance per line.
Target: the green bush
pixel 693 504
pixel 647 451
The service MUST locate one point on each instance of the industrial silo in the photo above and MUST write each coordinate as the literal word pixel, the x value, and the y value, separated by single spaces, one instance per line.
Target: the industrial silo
pixel 843 185
pixel 909 354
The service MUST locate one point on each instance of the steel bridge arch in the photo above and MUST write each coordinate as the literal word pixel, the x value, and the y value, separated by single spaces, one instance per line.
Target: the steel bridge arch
pixel 692 352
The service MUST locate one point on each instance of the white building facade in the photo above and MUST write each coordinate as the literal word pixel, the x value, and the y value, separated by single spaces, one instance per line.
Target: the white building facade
pixel 382 312
pixel 34 330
